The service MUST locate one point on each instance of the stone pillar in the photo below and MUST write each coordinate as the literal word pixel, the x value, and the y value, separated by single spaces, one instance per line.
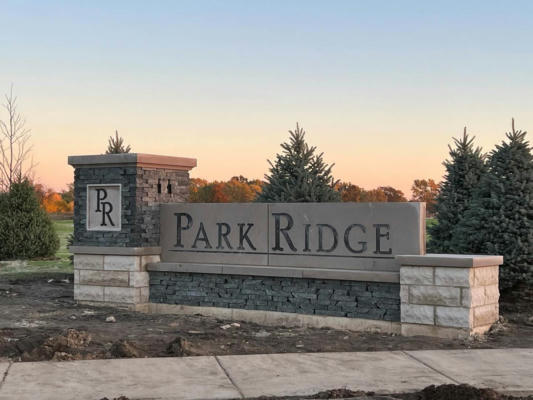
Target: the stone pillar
pixel 451 296
pixel 116 222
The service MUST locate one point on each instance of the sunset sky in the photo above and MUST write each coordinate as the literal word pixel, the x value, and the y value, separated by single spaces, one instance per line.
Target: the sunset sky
pixel 380 87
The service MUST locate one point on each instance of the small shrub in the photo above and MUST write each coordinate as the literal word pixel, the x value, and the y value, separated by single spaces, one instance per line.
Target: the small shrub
pixel 26 231
pixel 116 145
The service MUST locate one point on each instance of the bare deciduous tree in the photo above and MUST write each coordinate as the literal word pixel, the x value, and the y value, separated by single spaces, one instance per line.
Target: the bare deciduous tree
pixel 15 148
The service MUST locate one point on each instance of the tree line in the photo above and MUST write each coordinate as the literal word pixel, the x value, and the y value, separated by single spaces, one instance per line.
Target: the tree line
pixel 239 189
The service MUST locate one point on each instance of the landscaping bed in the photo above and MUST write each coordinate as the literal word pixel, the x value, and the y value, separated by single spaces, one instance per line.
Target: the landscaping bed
pixel 39 320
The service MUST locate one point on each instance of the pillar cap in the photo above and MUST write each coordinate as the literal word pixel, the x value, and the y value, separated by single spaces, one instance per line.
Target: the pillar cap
pixel 133 160
pixel 450 260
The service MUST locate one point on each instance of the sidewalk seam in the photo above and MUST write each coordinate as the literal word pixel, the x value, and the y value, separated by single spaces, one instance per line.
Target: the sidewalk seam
pixel 430 367
pixel 5 374
pixel 229 377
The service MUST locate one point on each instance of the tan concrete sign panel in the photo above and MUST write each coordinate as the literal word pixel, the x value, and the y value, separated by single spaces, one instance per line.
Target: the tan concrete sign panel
pixel 104 207
pixel 215 233
pixel 358 236
pixel 344 235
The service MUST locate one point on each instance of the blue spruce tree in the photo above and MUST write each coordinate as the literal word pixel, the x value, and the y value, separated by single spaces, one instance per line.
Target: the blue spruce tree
pixel 499 220
pixel 299 175
pixel 464 169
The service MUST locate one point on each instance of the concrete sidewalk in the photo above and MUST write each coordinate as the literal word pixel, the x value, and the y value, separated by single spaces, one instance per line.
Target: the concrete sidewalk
pixel 233 377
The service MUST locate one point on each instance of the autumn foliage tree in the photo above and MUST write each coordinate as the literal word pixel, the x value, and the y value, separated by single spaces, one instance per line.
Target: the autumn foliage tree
pixel 236 190
pixel 354 193
pixel 425 190
pixel 54 202
pixel 392 194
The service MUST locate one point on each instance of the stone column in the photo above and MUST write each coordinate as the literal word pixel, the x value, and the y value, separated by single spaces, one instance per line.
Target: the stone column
pixel 451 296
pixel 116 222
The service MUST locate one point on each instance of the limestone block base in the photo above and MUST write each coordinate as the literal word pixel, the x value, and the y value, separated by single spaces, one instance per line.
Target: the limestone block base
pixel 112 279
pixel 450 296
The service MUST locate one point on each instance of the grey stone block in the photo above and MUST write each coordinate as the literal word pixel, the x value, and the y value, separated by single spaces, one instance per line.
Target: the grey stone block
pixel 295 295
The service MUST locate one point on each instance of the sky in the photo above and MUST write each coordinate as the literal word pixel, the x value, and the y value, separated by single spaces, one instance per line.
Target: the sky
pixel 380 87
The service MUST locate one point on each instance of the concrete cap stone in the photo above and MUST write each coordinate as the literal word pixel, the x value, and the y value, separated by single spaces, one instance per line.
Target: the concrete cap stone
pixel 450 260
pixel 285 272
pixel 116 251
pixel 133 159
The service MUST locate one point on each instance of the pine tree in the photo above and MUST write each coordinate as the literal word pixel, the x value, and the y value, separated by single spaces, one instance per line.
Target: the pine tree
pixel 26 231
pixel 463 172
pixel 299 175
pixel 115 145
pixel 499 219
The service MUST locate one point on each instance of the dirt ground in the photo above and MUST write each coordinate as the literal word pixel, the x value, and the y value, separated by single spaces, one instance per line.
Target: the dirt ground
pixel 442 392
pixel 39 320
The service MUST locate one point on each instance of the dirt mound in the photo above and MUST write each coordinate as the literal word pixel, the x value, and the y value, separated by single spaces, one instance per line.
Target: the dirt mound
pixel 180 347
pixel 116 398
pixel 64 347
pixel 337 394
pixel 442 392
pixel 457 392
pixel 126 349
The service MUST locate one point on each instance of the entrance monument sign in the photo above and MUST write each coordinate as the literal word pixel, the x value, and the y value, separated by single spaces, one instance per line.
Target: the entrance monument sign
pixel 353 236
pixel 358 266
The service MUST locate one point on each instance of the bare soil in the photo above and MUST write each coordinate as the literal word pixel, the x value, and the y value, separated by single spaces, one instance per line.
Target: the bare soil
pixel 39 320
pixel 442 392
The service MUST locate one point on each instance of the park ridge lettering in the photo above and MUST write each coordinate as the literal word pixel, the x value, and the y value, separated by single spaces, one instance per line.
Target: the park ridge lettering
pixel 353 237
pixel 104 207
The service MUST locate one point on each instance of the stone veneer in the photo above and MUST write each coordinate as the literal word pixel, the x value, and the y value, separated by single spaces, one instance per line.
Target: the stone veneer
pixel 448 295
pixel 110 266
pixel 140 203
pixel 339 298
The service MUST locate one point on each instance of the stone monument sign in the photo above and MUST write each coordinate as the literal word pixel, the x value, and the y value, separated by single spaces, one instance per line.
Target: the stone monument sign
pixel 357 266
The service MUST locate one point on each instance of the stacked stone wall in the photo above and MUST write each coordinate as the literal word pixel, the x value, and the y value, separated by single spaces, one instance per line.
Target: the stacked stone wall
pixel 148 198
pixel 340 298
pixel 140 203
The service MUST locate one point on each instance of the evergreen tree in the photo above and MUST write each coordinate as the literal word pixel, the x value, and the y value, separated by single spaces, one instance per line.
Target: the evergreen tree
pixel 499 219
pixel 26 231
pixel 463 172
pixel 299 175
pixel 115 145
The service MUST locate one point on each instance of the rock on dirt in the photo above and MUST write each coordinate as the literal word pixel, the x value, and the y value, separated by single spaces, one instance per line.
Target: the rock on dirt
pixel 111 319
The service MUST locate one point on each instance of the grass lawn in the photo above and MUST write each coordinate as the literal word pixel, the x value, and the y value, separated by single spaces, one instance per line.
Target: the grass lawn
pixel 60 263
